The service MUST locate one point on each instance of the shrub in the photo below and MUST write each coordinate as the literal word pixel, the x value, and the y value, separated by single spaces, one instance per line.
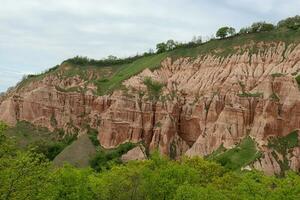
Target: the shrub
pixel 261 27
pixel 104 159
pixel 292 23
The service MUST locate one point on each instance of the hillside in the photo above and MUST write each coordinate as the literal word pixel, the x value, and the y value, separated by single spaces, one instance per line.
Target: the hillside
pixel 107 78
pixel 233 100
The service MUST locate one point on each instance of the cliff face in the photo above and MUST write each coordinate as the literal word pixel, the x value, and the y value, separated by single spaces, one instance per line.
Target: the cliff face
pixel 206 103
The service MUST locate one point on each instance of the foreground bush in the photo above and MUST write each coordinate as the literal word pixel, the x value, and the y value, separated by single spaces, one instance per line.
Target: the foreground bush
pixel 28 175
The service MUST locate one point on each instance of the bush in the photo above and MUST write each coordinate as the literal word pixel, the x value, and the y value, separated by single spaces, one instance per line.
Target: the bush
pixel 52 148
pixel 225 31
pixel 104 159
pixel 261 27
pixel 292 23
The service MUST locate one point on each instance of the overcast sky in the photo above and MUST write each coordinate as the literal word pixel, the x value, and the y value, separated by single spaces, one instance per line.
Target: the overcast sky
pixel 38 34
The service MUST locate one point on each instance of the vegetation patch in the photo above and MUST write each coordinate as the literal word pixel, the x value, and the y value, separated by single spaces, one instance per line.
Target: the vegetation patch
pixel 274 97
pixel 27 175
pixel 282 145
pixel 248 94
pixel 234 159
pixel 274 75
pixel 78 153
pixel 26 135
pixel 106 158
pixel 298 79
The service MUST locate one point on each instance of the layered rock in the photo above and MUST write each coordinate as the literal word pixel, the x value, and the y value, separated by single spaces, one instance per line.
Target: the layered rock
pixel 206 102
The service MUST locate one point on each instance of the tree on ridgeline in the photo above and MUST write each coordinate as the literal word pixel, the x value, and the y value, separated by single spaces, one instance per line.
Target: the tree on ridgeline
pixel 225 31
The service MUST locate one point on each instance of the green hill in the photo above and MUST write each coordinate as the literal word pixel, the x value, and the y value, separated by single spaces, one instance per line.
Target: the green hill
pixel 109 74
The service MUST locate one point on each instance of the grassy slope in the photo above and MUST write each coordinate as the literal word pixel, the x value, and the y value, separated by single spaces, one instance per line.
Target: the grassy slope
pixel 111 77
pixel 237 157
pixel 25 134
pixel 221 48
pixel 78 153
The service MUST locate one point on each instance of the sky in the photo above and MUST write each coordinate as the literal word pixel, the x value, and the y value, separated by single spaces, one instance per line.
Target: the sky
pixel 38 34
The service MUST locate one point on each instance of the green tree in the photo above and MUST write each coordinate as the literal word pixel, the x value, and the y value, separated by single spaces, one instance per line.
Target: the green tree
pixel 161 47
pixel 71 183
pixel 292 23
pixel 261 27
pixel 225 31
pixel 170 45
pixel 24 175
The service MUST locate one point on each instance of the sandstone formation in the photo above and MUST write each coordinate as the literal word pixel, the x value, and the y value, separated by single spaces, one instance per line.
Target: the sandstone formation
pixel 206 102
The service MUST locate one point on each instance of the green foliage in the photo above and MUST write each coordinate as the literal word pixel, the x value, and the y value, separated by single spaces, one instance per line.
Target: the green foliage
pixel 52 148
pixel 248 94
pixel 93 135
pixel 104 159
pixel 154 88
pixel 110 60
pixel 128 70
pixel 277 75
pixel 282 145
pixel 257 27
pixel 3 126
pixel 274 96
pixel 23 175
pixel 161 47
pixel 298 79
pixel 42 140
pixel 261 27
pixel 292 23
pixel 27 175
pixel 71 184
pixel 239 156
pixel 225 31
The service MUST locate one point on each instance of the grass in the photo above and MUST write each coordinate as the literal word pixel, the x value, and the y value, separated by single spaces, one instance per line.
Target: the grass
pixel 26 133
pixel 237 157
pixel 77 153
pixel 127 71
pixel 41 139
